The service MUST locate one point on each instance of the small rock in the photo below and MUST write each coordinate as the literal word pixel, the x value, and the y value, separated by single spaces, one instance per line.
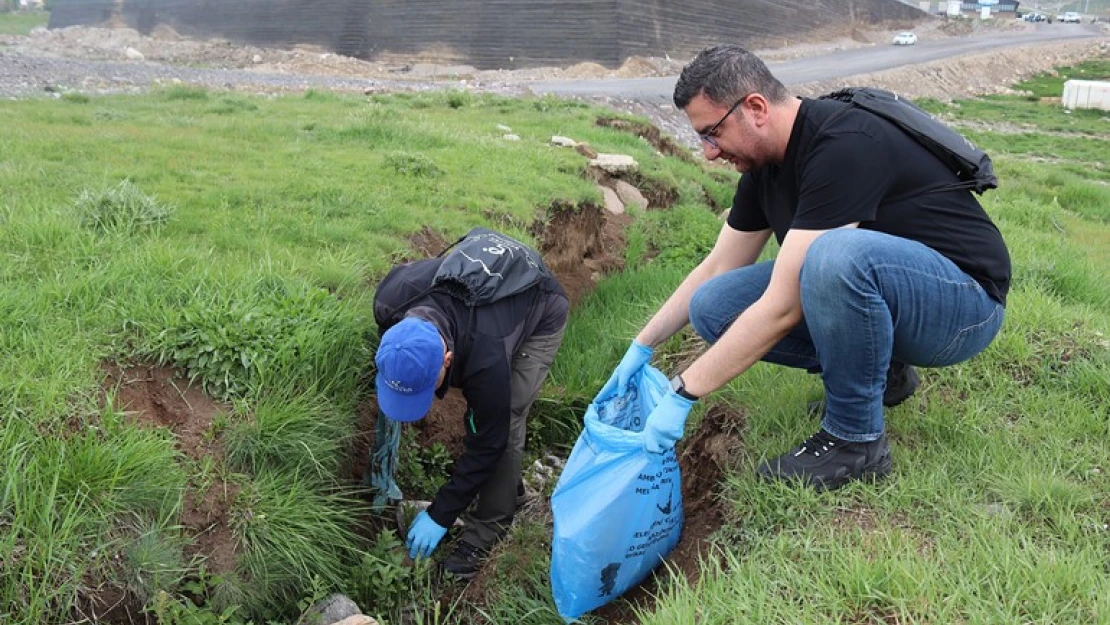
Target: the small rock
pixel 511 137
pixel 256 58
pixel 613 204
pixel 630 195
pixel 334 609
pixel 615 164
pixel 358 619
pixel 564 142
pixel 133 54
pixel 504 128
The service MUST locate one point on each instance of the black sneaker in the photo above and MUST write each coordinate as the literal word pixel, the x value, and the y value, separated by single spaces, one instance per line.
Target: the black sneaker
pixel 825 462
pixel 466 560
pixel 901 382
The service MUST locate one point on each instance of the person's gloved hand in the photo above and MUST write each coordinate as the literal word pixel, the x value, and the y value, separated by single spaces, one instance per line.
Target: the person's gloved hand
pixel 424 535
pixel 634 359
pixel 666 424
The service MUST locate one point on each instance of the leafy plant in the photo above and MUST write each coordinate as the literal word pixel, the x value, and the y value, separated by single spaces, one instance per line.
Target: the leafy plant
pixel 170 609
pixel 385 580
pixel 422 470
pixel 382 576
pixel 232 345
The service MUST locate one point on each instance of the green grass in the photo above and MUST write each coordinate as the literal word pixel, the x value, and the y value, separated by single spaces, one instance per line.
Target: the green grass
pixel 239 239
pixel 21 23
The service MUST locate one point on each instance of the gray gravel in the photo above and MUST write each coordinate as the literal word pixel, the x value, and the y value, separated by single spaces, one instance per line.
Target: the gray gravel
pixel 33 76
pixel 23 76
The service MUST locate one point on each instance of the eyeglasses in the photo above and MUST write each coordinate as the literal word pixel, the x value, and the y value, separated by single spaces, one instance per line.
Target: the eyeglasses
pixel 708 137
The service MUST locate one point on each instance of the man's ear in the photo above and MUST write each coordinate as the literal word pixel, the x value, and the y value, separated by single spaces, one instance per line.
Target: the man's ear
pixel 757 106
pixel 447 358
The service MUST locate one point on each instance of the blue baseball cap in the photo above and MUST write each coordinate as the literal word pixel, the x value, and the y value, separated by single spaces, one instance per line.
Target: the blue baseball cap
pixel 409 360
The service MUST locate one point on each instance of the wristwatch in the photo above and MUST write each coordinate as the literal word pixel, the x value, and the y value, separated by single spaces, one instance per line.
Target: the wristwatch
pixel 678 385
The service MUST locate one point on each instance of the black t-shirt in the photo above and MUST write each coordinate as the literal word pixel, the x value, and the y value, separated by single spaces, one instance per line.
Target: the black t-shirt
pixel 853 166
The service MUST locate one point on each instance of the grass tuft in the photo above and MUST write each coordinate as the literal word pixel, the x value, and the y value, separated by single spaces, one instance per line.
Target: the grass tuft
pixel 123 208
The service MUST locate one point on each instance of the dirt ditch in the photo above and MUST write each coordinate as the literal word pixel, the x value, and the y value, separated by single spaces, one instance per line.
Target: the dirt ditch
pixel 157 397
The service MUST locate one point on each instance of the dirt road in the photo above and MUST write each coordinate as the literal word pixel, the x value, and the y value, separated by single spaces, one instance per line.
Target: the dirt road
pixel 839 64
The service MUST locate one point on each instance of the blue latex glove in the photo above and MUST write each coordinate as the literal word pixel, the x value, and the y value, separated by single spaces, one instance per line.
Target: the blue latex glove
pixel 424 535
pixel 666 424
pixel 634 359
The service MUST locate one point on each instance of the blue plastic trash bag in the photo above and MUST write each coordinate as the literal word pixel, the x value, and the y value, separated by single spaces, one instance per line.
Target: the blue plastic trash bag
pixel 617 508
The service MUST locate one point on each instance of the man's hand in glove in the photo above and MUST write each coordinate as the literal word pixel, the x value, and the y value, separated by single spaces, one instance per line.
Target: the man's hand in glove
pixel 665 424
pixel 423 537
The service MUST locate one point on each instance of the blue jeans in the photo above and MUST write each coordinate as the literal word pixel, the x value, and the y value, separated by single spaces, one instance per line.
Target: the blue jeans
pixel 867 298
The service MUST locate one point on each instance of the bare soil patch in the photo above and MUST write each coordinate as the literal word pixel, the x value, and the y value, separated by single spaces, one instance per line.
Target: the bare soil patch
pixel 153 396
pixel 109 603
pixel 428 242
pixel 663 144
pixel 581 244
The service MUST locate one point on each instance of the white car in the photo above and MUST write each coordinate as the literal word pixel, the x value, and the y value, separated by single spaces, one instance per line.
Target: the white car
pixel 905 39
pixel 1071 17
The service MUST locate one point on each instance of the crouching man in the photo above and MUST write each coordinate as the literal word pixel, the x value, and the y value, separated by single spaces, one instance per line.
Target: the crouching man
pixel 487 318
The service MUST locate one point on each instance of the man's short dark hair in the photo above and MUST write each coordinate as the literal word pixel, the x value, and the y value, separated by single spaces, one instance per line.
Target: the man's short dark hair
pixel 725 74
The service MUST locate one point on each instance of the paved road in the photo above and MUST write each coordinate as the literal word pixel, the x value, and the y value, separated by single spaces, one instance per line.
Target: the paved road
pixel 830 66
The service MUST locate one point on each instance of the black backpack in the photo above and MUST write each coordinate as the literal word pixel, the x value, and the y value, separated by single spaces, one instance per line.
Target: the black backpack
pixel 485 266
pixel 970 164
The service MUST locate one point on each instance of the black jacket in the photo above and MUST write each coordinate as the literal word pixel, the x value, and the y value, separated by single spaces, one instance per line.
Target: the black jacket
pixel 483 339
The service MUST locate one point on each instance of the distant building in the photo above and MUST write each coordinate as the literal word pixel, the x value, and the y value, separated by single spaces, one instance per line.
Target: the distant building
pixel 30 4
pixel 1000 9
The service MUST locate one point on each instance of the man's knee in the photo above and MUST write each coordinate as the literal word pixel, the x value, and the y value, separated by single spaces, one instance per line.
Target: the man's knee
pixel 836 258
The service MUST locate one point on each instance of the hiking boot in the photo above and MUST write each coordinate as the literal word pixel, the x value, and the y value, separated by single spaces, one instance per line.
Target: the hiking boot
pixel 901 382
pixel 466 560
pixel 825 462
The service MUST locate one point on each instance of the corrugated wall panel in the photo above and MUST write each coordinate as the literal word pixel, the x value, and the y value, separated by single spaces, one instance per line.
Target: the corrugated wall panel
pixel 681 29
pixel 489 34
